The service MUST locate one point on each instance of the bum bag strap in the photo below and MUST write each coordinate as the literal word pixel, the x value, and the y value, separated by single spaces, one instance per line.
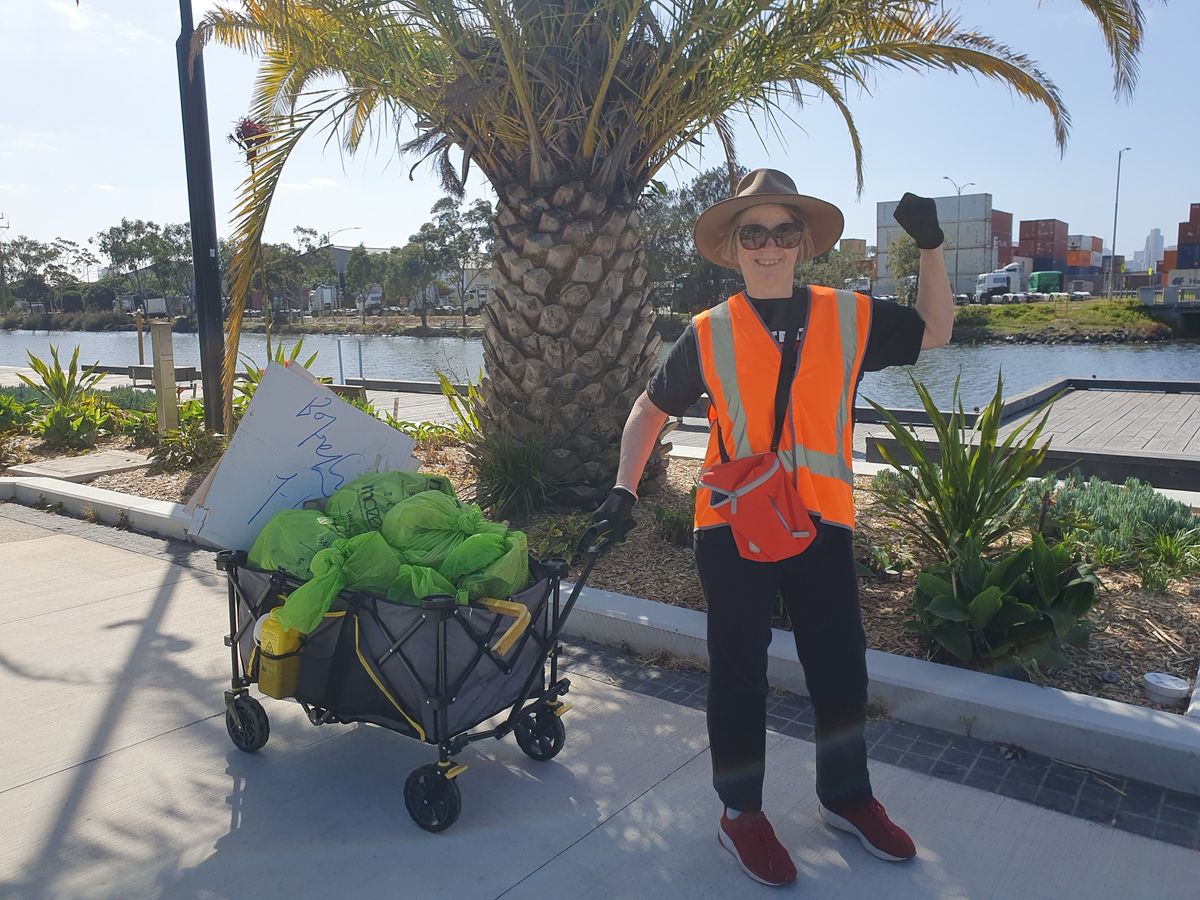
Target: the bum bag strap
pixel 788 360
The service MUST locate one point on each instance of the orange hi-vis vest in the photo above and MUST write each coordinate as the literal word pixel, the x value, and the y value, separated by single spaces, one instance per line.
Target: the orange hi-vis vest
pixel 739 359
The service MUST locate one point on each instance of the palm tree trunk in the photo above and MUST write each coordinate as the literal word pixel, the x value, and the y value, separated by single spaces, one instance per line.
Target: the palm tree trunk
pixel 568 342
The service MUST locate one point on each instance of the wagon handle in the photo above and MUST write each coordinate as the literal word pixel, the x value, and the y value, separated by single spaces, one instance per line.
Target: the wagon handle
pixel 521 616
pixel 599 537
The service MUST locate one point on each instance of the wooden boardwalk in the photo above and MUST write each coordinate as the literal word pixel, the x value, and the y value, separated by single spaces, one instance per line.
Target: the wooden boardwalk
pixel 1113 430
pixel 1153 421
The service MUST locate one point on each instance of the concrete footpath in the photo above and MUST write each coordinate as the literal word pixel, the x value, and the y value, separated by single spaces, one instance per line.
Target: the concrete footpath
pixel 117 779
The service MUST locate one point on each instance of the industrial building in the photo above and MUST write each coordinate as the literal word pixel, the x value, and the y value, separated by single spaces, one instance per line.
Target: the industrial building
pixel 978 239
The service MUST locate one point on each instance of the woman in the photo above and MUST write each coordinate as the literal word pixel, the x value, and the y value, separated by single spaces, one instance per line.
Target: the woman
pixel 796 407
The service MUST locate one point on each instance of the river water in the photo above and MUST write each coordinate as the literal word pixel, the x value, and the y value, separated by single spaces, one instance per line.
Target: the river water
pixel 1023 366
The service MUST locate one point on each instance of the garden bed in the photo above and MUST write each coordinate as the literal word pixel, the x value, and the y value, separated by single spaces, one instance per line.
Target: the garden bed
pixel 1136 631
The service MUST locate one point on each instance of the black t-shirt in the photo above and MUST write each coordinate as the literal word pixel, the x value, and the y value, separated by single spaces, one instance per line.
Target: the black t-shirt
pixel 894 340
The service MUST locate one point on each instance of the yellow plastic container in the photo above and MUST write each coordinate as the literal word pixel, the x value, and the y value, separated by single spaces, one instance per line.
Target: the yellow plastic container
pixel 277 671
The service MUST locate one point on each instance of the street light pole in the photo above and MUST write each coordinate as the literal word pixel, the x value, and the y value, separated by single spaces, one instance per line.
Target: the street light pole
pixel 3 277
pixel 957 224
pixel 1112 256
pixel 206 266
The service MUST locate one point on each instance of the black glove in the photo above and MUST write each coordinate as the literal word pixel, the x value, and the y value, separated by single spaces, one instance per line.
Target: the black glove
pixel 617 510
pixel 918 216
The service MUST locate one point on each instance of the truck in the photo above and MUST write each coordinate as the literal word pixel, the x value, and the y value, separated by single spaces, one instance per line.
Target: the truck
pixel 1009 280
pixel 372 302
pixel 321 299
pixel 1046 282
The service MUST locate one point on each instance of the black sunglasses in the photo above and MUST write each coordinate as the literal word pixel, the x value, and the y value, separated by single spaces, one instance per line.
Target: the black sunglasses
pixel 754 237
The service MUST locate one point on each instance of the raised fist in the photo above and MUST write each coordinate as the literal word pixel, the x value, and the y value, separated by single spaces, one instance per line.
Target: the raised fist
pixel 918 216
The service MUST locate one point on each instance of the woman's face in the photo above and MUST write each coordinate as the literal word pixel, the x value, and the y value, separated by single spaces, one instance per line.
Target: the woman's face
pixel 770 270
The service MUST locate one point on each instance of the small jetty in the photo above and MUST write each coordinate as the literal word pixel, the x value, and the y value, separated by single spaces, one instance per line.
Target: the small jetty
pixel 1149 430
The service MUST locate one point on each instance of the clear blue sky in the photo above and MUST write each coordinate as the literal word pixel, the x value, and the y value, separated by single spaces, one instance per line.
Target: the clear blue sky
pixel 90 131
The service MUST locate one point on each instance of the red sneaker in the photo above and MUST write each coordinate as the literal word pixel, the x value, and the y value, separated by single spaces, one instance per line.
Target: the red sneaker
pixel 870 824
pixel 751 840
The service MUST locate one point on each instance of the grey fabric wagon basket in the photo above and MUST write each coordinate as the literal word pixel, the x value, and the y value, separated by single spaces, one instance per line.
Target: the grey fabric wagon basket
pixel 432 672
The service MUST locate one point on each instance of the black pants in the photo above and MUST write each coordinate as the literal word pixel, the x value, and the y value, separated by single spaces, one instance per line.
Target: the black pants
pixel 820 592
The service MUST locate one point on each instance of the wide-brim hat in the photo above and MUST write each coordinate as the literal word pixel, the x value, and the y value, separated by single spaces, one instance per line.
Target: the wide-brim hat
pixel 823 221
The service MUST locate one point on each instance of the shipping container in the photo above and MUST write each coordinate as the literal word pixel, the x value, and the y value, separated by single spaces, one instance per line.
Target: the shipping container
pixel 1189 233
pixel 1048 264
pixel 1187 256
pixel 1194 215
pixel 1169 260
pixel 1002 223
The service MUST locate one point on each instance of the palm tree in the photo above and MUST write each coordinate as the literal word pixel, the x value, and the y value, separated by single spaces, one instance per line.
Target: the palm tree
pixel 569 108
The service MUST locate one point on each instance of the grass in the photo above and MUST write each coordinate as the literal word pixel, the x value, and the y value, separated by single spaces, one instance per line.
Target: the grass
pixel 1061 319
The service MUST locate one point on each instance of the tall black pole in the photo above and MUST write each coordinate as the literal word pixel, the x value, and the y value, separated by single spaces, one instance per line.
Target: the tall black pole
pixel 206 266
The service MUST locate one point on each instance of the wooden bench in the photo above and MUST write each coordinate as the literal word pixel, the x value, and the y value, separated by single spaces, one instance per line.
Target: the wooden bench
pixel 182 373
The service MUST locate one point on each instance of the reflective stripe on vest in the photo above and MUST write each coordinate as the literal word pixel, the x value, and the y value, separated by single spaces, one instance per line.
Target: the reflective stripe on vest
pixel 852 316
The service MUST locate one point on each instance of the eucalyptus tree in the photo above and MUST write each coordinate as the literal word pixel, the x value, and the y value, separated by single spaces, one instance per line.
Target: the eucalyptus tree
pixel 569 108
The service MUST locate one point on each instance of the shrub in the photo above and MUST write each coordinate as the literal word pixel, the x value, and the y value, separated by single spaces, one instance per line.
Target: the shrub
pixel 61 387
pixel 511 479
pixel 1022 607
pixel 22 392
pixel 432 435
pixel 187 447
pixel 363 405
pixel 1130 525
pixel 126 397
pixel 103 321
pixel 465 409
pixel 76 427
pixel 191 412
pixel 673 525
pixel 558 535
pixel 140 427
pixel 15 415
pixel 874 561
pixel 973 496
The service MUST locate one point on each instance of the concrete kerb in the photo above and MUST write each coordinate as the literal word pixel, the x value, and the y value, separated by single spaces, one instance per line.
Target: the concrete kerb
pixel 1158 747
pixel 156 517
pixel 1138 742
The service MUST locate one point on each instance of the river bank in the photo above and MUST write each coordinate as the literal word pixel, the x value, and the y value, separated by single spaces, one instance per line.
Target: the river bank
pixel 1079 322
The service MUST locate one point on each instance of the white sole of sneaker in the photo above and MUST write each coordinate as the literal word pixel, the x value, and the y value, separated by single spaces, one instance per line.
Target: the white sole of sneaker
pixel 727 843
pixel 836 821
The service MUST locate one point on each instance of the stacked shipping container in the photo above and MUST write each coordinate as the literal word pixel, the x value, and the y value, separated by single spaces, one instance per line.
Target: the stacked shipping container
pixel 1002 223
pixel 1189 241
pixel 1045 242
pixel 1084 254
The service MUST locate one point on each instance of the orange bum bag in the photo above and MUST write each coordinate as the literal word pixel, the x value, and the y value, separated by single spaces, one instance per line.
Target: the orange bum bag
pixel 755 494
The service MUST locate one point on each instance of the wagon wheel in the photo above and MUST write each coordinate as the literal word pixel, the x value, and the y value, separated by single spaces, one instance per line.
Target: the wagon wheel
pixel 433 800
pixel 247 724
pixel 541 734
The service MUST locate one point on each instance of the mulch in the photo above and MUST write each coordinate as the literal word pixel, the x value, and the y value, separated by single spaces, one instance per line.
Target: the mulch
pixel 1135 631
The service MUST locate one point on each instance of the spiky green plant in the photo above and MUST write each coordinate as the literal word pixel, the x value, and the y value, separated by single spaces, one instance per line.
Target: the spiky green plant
pixel 960 504
pixel 65 388
pixel 570 109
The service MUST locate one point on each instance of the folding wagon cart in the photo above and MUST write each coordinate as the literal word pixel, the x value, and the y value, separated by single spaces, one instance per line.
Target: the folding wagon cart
pixel 432 672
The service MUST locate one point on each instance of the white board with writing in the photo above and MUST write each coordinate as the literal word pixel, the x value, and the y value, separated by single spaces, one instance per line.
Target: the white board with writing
pixel 298 441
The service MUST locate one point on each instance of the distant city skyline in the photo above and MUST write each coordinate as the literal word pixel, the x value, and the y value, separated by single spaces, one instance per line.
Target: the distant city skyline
pixel 96 136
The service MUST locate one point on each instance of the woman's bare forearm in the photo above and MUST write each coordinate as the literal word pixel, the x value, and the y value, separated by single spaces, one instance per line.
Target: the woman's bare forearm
pixel 642 428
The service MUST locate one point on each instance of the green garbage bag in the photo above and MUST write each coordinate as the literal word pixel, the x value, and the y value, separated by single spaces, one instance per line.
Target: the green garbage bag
pixel 290 539
pixel 364 562
pixel 489 564
pixel 426 527
pixel 502 577
pixel 414 583
pixel 361 505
